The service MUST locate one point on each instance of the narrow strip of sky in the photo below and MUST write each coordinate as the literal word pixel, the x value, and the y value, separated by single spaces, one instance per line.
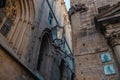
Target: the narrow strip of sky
pixel 67 3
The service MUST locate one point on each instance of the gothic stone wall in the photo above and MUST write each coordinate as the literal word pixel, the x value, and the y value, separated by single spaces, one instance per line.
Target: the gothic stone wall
pixel 89 44
pixel 10 69
pixel 24 38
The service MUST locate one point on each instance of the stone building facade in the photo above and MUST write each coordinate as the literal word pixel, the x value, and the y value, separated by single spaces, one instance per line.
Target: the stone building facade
pixel 34 40
pixel 95 32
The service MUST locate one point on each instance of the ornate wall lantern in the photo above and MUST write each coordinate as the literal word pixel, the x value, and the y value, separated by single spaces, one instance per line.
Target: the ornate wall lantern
pixel 58 33
pixel 2 3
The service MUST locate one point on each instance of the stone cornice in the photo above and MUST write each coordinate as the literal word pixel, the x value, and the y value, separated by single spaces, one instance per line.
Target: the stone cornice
pixel 110 11
pixel 110 16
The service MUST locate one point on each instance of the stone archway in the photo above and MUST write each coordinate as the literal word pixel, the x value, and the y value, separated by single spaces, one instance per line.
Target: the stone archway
pixel 16 19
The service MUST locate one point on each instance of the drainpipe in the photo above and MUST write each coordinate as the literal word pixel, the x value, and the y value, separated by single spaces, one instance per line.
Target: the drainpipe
pixel 52 12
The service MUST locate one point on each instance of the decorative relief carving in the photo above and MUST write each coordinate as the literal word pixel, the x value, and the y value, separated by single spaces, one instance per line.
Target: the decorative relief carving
pixel 7 16
pixel 6 26
pixel 113 38
pixel 77 8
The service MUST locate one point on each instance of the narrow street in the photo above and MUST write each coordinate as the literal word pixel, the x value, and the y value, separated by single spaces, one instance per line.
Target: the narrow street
pixel 59 39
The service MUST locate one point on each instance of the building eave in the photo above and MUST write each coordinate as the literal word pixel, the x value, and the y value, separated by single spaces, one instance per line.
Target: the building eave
pixel 110 16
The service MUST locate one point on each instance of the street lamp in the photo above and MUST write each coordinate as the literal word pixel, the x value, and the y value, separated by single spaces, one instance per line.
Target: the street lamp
pixel 58 33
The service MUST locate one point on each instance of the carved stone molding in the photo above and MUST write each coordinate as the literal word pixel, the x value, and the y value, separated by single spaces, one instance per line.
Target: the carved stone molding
pixel 113 39
pixel 77 8
pixel 7 16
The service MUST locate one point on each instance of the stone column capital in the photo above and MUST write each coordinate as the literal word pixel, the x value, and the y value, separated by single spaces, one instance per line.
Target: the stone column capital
pixel 113 39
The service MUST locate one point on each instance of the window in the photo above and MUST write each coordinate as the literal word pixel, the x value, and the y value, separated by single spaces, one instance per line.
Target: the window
pixel 50 17
pixel 45 51
pixel 6 27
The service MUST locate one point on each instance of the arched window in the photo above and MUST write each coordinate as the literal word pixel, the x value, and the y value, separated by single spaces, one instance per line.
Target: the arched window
pixel 43 64
pixel 44 50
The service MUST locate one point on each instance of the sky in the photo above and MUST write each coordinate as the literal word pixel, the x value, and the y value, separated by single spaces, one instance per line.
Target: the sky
pixel 67 2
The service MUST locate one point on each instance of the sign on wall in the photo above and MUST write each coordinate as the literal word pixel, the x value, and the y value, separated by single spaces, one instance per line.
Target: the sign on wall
pixel 105 57
pixel 109 69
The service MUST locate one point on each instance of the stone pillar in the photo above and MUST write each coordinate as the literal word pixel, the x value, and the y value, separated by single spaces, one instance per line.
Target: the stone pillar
pixel 114 41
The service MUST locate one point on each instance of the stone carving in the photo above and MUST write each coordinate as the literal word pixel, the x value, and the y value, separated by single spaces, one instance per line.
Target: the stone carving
pixel 113 38
pixel 9 14
pixel 77 8
pixel 6 26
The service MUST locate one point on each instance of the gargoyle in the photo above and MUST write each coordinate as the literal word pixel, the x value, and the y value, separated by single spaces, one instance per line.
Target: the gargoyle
pixel 77 8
